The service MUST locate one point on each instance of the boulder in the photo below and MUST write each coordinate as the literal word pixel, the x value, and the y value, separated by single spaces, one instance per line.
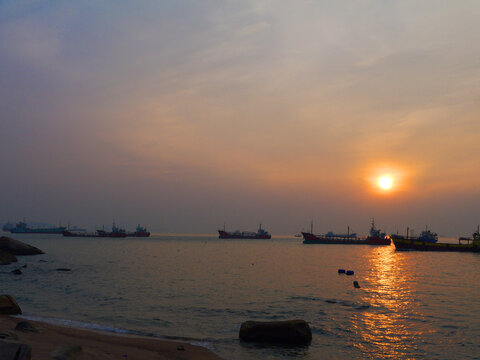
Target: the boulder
pixel 8 335
pixel 294 332
pixel 25 326
pixel 16 272
pixel 11 350
pixel 8 305
pixel 7 258
pixel 16 247
pixel 66 352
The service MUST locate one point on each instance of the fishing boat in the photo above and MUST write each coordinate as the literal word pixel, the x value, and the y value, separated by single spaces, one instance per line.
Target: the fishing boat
pixel 376 237
pixel 139 232
pixel 260 234
pixel 22 228
pixel 424 243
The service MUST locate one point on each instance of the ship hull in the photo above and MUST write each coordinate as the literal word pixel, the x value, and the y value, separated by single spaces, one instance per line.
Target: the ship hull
pixel 402 243
pixel 309 238
pixel 139 234
pixel 94 235
pixel 378 241
pixel 37 231
pixel 226 235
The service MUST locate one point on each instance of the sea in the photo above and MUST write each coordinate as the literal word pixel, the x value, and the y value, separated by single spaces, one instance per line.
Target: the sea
pixel 199 289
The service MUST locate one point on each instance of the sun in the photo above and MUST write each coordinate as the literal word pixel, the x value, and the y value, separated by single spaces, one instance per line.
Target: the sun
pixel 385 182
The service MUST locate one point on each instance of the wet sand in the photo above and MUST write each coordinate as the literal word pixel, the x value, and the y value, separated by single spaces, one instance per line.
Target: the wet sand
pixel 99 345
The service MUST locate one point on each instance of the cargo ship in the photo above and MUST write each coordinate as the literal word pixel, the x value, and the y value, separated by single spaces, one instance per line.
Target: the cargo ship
pixel 376 237
pixel 424 242
pixel 22 228
pixel 139 232
pixel 260 234
pixel 115 233
pixel 96 234
pixel 8 226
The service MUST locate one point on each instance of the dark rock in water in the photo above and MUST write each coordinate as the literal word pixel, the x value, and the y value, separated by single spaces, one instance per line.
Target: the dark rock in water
pixel 350 272
pixel 25 326
pixel 8 305
pixel 10 350
pixel 16 272
pixel 66 353
pixel 63 269
pixel 293 332
pixel 24 266
pixel 42 260
pixel 341 271
pixel 16 247
pixel 8 335
pixel 355 284
pixel 7 258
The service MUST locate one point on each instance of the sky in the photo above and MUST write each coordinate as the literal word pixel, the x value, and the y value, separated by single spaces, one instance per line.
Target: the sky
pixel 187 115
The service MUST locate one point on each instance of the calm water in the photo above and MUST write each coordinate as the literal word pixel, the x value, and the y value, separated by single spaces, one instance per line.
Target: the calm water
pixel 410 304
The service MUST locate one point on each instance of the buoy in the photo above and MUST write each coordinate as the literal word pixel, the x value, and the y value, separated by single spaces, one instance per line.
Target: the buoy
pixel 341 271
pixel 350 272
pixel 355 284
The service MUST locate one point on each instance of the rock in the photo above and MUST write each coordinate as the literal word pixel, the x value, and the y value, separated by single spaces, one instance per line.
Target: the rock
pixel 295 332
pixel 24 266
pixel 8 335
pixel 10 350
pixel 7 258
pixel 8 305
pixel 16 247
pixel 356 284
pixel 63 269
pixel 66 352
pixel 25 326
pixel 16 272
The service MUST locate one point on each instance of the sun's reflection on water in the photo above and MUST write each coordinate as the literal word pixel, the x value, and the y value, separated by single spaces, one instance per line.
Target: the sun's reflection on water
pixel 390 289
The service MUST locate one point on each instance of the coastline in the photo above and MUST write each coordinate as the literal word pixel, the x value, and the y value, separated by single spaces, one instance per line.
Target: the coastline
pixel 100 345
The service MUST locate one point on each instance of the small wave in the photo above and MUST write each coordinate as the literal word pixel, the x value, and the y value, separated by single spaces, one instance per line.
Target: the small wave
pixel 206 343
pixel 346 303
pixel 305 298
pixel 83 325
pixel 450 326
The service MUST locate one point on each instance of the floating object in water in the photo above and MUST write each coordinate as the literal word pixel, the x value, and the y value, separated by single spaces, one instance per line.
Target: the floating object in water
pixel 341 271
pixel 356 285
pixel 350 272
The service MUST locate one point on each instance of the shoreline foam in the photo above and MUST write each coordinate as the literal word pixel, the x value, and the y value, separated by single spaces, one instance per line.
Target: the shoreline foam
pixel 97 344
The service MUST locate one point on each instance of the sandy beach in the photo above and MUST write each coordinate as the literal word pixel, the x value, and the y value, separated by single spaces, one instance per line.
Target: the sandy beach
pixel 99 345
